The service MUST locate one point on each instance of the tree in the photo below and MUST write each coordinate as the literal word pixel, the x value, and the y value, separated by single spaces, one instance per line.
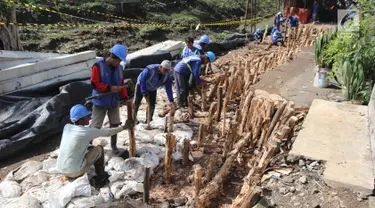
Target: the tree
pixel 9 35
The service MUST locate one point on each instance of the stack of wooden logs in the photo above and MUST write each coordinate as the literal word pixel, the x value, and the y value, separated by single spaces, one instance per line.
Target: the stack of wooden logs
pixel 261 121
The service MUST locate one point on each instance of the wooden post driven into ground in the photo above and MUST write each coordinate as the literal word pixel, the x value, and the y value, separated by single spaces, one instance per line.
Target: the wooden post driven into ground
pixel 198 179
pixel 170 143
pixel 132 151
pixel 185 160
pixel 146 185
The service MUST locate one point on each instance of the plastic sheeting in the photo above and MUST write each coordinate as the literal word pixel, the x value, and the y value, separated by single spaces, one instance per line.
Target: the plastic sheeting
pixel 31 116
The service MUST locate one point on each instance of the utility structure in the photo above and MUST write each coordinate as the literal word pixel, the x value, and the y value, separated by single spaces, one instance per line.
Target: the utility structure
pixel 251 13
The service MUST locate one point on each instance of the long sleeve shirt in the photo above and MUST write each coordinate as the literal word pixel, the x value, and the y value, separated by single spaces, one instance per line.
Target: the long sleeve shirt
pixel 95 80
pixel 148 83
pixel 74 142
pixel 186 52
pixel 194 62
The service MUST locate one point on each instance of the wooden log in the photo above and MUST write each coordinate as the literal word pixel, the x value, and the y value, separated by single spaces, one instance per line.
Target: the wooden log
pixel 248 198
pixel 276 118
pixel 203 96
pixel 200 134
pixel 211 166
pixel 146 185
pixel 171 120
pixel 214 90
pixel 166 125
pixel 213 188
pixel 224 115
pixel 169 146
pixel 268 111
pixel 198 179
pixel 220 103
pixel 185 160
pixel 190 107
pixel 264 34
pixel 228 144
pixel 129 105
pixel 211 114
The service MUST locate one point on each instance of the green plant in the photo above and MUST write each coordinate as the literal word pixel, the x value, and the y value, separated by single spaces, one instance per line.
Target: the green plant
pixel 321 44
pixel 354 79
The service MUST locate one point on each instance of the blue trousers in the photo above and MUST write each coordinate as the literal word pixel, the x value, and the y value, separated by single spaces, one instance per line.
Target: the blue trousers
pixel 182 86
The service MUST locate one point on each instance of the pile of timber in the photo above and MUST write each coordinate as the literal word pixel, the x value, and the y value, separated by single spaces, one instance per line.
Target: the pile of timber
pixel 262 121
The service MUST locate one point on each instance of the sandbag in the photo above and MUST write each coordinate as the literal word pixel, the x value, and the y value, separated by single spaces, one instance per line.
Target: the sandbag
pixel 215 48
pixel 238 36
pixel 10 189
pixel 29 118
pixel 27 169
pixel 143 61
pixel 21 202
pixel 227 45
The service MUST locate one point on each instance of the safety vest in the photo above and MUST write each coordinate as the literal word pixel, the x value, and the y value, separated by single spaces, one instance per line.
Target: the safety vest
pixel 111 78
pixel 186 52
pixel 277 36
pixel 154 68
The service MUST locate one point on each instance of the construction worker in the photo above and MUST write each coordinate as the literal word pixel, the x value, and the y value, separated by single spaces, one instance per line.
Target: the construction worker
pixel 293 21
pixel 277 38
pixel 202 45
pixel 73 161
pixel 151 78
pixel 187 73
pixel 258 35
pixel 107 77
pixel 189 49
pixel 315 10
pixel 278 19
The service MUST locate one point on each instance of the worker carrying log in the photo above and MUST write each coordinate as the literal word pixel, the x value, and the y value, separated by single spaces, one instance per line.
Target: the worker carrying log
pixel 107 76
pixel 189 49
pixel 187 73
pixel 73 161
pixel 202 44
pixel 151 78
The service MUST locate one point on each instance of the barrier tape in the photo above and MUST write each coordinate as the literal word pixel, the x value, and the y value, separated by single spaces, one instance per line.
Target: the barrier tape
pixel 78 9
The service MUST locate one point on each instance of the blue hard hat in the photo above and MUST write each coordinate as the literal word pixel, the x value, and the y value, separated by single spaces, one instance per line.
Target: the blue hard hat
pixel 78 111
pixel 205 39
pixel 259 31
pixel 120 51
pixel 211 56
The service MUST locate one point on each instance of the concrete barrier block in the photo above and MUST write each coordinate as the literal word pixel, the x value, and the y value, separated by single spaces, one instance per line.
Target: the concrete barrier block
pixel 9 64
pixel 25 54
pixel 12 85
pixel 44 65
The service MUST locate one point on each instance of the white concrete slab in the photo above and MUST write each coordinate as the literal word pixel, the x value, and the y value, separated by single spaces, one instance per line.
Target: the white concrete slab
pixel 338 134
pixel 15 84
pixel 174 47
pixel 9 64
pixel 44 65
pixel 25 54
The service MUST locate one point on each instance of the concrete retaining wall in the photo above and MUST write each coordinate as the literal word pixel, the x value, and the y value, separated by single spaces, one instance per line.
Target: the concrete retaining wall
pixel 371 117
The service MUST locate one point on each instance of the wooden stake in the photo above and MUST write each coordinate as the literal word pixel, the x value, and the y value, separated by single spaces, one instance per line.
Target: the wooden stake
pixel 214 89
pixel 203 96
pixel 185 160
pixel 220 103
pixel 190 107
pixel 129 105
pixel 211 166
pixel 276 118
pixel 230 139
pixel 211 116
pixel 198 179
pixel 170 143
pixel 166 125
pixel 264 34
pixel 200 134
pixel 146 185
pixel 148 115
pixel 171 120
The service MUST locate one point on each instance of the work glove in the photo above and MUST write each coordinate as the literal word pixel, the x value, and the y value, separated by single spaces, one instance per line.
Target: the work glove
pixel 128 124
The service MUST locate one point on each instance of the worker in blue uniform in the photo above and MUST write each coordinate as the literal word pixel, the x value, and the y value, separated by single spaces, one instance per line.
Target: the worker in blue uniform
pixel 293 21
pixel 187 73
pixel 277 37
pixel 202 45
pixel 258 35
pixel 279 19
pixel 189 49
pixel 151 78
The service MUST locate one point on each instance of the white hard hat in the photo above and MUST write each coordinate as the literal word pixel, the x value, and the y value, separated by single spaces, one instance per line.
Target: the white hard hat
pixel 166 64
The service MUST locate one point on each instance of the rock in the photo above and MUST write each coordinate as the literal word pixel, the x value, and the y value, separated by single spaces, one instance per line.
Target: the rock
pixel 301 163
pixel 293 198
pixel 292 189
pixel 315 203
pixel 165 205
pixel 288 179
pixel 283 190
pixel 302 194
pixel 263 203
pixel 291 158
pixel 27 169
pixel 100 141
pixel 296 204
pixel 303 179
pixel 362 196
pixel 180 201
pixel 314 164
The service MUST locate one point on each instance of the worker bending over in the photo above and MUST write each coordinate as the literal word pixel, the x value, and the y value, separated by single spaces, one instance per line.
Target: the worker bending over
pixel 277 37
pixel 150 79
pixel 189 49
pixel 202 45
pixel 187 73
pixel 258 35
pixel 107 76
pixel 72 160
pixel 278 19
